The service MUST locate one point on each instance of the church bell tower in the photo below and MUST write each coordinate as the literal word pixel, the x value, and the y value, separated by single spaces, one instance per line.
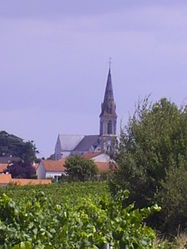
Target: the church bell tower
pixel 108 116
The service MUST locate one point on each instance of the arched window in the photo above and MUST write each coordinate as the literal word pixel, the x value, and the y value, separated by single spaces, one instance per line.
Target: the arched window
pixel 109 127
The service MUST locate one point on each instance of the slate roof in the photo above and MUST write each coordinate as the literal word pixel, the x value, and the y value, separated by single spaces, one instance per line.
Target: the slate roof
pixel 109 89
pixel 69 142
pixel 87 142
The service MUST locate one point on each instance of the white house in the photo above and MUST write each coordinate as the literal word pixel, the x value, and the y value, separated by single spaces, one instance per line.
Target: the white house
pixel 102 160
pixel 54 169
pixel 50 169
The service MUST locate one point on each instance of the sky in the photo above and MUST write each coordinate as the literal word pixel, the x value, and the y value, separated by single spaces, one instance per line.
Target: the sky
pixel 54 62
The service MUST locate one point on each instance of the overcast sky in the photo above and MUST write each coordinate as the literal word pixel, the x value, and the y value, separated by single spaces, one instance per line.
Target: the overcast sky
pixel 54 62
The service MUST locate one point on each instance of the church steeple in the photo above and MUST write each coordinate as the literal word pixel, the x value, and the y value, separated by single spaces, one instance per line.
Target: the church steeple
pixel 109 90
pixel 108 117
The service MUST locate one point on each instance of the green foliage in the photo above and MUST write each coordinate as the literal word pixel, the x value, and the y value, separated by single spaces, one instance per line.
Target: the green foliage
pixel 173 198
pixel 39 222
pixel 24 153
pixel 11 145
pixel 21 169
pixel 79 168
pixel 59 193
pixel 153 142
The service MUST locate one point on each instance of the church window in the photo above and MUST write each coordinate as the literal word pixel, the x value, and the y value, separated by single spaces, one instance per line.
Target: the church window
pixel 109 128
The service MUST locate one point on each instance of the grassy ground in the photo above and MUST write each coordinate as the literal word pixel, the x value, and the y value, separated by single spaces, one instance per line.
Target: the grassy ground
pixel 179 242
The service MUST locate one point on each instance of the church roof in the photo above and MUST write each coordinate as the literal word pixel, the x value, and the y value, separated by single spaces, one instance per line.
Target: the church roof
pixel 87 142
pixel 108 106
pixel 69 142
pixel 109 89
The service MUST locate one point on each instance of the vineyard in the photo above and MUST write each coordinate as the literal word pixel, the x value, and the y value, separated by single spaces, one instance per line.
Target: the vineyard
pixel 77 215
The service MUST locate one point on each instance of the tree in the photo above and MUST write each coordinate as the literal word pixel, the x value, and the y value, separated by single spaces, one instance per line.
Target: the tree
pixel 153 142
pixel 79 168
pixel 173 199
pixel 24 152
pixel 21 169
pixel 11 145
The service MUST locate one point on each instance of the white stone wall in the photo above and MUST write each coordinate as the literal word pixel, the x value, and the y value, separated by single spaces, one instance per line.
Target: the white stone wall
pixel 53 174
pixel 40 172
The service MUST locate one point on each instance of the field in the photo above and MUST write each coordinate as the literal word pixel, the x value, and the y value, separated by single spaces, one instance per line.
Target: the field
pixel 58 193
pixel 72 215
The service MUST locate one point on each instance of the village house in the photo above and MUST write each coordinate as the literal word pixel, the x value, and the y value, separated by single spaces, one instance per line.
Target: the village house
pixel 6 178
pixel 50 169
pixel 55 168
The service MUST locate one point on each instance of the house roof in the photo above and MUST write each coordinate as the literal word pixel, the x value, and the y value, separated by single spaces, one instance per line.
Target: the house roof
pixel 105 166
pixel 87 143
pixel 3 167
pixel 91 155
pixel 69 142
pixel 54 166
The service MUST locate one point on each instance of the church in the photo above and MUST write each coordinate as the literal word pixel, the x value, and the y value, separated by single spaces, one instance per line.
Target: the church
pixel 105 142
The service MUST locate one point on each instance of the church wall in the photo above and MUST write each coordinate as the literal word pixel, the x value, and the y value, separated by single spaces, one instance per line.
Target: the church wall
pixel 65 154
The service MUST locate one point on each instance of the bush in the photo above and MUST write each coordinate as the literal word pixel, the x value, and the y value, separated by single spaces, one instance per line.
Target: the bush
pixel 79 168
pixel 153 143
pixel 38 223
pixel 173 198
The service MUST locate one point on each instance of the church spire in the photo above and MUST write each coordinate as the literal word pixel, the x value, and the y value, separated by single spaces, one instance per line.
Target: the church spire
pixel 109 89
pixel 108 115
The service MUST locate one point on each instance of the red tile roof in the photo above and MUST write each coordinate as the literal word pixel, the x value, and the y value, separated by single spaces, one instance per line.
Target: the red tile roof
pixel 90 155
pixel 105 166
pixel 58 166
pixel 3 167
pixel 54 166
